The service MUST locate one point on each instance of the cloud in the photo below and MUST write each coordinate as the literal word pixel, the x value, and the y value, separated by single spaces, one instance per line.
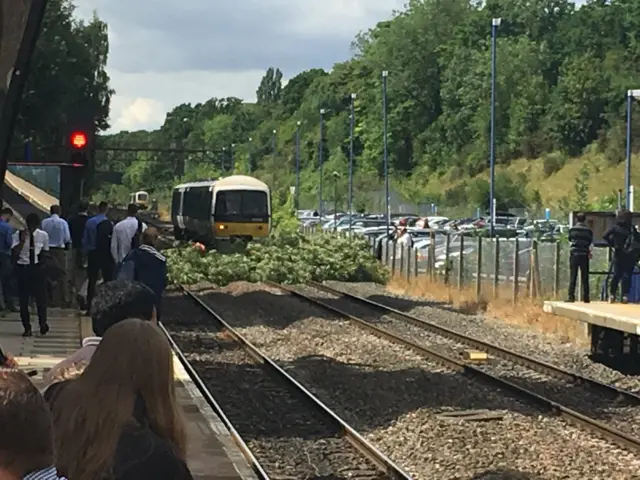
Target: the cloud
pixel 164 52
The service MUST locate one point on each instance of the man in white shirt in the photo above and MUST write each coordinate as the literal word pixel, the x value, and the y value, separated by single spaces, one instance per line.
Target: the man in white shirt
pixel 29 244
pixel 59 239
pixel 125 233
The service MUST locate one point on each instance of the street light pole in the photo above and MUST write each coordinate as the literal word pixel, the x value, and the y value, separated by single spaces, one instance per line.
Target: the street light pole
pixel 385 74
pixel 233 160
pixel 336 176
pixel 297 197
pixel 631 95
pixel 273 144
pixel 495 23
pixel 249 159
pixel 351 131
pixel 321 159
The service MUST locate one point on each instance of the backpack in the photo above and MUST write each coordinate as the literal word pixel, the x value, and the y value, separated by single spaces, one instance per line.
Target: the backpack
pixel 136 239
pixel 632 242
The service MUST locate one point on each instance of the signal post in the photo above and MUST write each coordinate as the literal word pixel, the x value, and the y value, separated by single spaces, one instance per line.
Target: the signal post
pixel 78 153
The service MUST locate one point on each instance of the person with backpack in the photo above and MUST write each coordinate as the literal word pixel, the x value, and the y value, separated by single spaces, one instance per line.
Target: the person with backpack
pixel 96 244
pixel 624 239
pixel 127 234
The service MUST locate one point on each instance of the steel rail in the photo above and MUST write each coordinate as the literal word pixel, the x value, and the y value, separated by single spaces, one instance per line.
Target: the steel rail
pixel 360 443
pixel 569 415
pixel 478 344
pixel 204 391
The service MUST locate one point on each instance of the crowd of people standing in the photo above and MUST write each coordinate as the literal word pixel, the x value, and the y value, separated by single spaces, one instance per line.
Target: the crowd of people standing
pixel 48 260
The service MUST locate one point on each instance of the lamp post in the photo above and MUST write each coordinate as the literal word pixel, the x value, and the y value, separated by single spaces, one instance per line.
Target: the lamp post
pixel 336 176
pixel 273 144
pixel 351 131
pixel 297 197
pixel 249 159
pixel 321 158
pixel 495 23
pixel 385 74
pixel 223 159
pixel 233 160
pixel 631 95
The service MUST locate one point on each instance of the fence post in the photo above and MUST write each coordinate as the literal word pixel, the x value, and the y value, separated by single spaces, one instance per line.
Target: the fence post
pixel 415 262
pixel 447 249
pixel 516 270
pixel 556 271
pixel 386 252
pixel 408 263
pixel 496 266
pixel 461 263
pixel 401 258
pixel 431 261
pixel 479 268
pixel 393 258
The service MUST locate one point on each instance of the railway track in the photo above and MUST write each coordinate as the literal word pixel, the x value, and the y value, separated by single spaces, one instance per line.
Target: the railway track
pixel 597 407
pixel 283 430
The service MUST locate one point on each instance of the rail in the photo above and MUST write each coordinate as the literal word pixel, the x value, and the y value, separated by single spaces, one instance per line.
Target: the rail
pixel 571 416
pixel 348 432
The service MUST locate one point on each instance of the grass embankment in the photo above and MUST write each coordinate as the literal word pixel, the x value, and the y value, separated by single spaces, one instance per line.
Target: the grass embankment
pixel 525 312
pixel 605 178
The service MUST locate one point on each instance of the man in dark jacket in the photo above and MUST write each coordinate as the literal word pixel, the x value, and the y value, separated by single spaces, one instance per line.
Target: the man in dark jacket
pixel 76 227
pixel 623 238
pixel 147 266
pixel 96 243
pixel 581 238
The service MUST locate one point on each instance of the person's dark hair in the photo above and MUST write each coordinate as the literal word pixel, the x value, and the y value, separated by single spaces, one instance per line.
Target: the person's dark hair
pixel 83 206
pixel 55 209
pixel 26 442
pixel 132 209
pixel 33 220
pixel 623 216
pixel 581 217
pixel 7 211
pixel 120 300
pixel 103 207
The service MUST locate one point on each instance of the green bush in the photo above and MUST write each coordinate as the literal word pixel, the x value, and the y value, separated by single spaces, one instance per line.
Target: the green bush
pixel 288 259
pixel 553 163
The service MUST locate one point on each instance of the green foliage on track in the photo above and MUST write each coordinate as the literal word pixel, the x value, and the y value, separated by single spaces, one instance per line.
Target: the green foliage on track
pixel 289 259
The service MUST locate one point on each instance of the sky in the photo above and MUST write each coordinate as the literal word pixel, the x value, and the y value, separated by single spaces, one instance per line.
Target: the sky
pixel 163 52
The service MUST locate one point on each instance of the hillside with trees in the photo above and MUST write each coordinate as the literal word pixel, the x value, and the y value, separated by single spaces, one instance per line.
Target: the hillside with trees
pixel 562 76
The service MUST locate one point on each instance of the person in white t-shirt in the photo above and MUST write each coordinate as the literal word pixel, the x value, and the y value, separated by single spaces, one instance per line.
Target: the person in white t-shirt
pixel 122 241
pixel 29 244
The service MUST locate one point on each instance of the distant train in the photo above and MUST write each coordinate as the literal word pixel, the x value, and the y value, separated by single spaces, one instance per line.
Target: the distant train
pixel 141 199
pixel 232 208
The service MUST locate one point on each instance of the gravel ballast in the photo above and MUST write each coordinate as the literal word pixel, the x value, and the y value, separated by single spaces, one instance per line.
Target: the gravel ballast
pixel 288 438
pixel 594 402
pixel 512 337
pixel 395 397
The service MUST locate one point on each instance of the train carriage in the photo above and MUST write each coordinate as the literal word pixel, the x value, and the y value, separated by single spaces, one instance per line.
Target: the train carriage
pixel 232 208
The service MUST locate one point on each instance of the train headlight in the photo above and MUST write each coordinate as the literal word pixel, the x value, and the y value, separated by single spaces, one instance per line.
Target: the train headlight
pixel 222 227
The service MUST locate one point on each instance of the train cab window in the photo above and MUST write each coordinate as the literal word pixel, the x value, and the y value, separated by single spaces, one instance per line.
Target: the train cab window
pixel 246 203
pixel 143 197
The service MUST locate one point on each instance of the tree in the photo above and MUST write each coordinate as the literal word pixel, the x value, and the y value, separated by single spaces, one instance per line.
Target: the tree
pixel 270 89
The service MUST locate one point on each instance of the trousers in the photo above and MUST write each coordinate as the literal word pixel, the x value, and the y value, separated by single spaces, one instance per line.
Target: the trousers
pixel 578 262
pixel 622 271
pixel 7 280
pixel 32 283
pixel 98 263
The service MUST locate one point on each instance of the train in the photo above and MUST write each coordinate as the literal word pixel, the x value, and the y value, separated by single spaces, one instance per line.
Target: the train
pixel 140 199
pixel 214 212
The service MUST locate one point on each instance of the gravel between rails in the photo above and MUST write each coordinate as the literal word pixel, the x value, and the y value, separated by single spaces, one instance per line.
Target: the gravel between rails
pixel 537 345
pixel 585 399
pixel 289 440
pixel 394 397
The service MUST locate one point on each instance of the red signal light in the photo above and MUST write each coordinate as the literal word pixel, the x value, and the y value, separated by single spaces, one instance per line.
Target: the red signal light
pixel 79 140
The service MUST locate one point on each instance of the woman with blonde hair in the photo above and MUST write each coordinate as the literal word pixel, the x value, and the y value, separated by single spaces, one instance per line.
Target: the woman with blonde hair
pixel 120 419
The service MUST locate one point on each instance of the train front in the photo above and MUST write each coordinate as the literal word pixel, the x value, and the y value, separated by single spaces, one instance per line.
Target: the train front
pixel 242 209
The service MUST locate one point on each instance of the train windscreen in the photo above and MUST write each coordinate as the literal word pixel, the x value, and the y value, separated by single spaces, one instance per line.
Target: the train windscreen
pixel 242 205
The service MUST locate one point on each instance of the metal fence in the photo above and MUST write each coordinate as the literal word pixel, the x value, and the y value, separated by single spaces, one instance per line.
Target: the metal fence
pixel 490 265
pixel 500 266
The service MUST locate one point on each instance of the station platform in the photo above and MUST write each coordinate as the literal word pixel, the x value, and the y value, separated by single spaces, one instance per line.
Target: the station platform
pixel 617 316
pixel 212 454
pixel 33 194
pixel 614 330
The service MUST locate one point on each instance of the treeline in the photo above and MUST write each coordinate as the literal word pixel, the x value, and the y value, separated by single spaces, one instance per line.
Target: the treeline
pixel 562 76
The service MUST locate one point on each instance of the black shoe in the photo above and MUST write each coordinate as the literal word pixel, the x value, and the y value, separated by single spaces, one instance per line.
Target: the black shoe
pixel 44 329
pixel 12 309
pixel 571 300
pixel 27 333
pixel 586 301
